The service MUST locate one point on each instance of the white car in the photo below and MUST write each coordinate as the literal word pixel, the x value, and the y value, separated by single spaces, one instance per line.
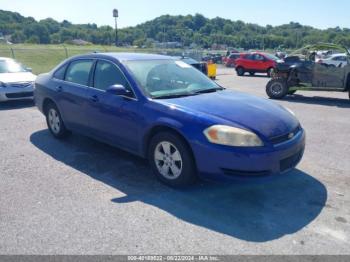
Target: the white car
pixel 338 60
pixel 16 81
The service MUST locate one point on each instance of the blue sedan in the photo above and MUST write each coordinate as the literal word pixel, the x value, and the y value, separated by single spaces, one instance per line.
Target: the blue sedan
pixel 163 109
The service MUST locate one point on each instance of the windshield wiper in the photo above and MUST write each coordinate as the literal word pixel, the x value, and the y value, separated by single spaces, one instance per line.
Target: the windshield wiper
pixel 174 96
pixel 210 90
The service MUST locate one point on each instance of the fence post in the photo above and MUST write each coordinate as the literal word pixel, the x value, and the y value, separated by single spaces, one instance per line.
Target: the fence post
pixel 66 51
pixel 13 53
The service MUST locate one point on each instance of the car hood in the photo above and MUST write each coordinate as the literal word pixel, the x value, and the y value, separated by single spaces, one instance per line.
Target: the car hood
pixel 17 77
pixel 260 115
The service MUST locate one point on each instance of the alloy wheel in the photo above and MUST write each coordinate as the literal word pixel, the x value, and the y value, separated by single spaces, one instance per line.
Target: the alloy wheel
pixel 168 160
pixel 54 121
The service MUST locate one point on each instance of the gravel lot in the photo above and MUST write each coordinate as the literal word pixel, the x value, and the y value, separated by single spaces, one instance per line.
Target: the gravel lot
pixel 83 197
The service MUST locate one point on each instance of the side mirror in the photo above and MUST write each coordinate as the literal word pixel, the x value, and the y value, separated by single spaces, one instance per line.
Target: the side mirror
pixel 118 90
pixel 28 69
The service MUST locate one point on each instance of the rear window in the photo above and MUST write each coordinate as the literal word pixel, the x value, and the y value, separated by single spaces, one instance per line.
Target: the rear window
pixel 249 56
pixel 59 74
pixel 235 56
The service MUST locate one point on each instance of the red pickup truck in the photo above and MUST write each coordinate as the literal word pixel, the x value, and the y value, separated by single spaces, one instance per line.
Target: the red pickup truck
pixel 256 63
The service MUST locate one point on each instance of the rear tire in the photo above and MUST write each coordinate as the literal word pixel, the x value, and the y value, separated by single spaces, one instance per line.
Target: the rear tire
pixel 171 160
pixel 54 121
pixel 240 71
pixel 277 88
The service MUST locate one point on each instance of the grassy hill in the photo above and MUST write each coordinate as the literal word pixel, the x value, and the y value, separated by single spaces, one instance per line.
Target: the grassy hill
pixel 42 58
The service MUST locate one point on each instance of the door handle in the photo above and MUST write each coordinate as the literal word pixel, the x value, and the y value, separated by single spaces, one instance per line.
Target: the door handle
pixel 94 98
pixel 59 89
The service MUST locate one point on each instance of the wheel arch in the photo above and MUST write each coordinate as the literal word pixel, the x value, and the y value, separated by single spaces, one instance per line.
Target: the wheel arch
pixel 46 103
pixel 159 128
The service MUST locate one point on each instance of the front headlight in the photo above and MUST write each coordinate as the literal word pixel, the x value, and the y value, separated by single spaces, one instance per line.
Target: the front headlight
pixel 232 136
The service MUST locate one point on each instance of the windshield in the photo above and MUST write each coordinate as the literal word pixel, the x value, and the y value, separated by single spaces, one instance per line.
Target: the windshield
pixel 11 66
pixel 166 78
pixel 272 57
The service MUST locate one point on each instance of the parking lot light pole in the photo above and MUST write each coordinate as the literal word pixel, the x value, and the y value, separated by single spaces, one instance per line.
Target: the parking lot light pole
pixel 116 15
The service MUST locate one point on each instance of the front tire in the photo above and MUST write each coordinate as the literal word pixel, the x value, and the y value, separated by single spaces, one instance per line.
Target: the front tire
pixel 54 121
pixel 171 160
pixel 270 72
pixel 277 88
pixel 240 71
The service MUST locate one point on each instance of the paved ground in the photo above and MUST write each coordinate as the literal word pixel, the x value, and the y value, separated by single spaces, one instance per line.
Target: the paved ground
pixel 83 197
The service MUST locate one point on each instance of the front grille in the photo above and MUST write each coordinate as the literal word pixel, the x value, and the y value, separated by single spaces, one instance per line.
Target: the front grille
pixel 290 162
pixel 20 84
pixel 283 138
pixel 20 95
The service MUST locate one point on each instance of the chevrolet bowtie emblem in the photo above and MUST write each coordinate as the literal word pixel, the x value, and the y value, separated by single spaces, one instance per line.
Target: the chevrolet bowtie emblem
pixel 291 135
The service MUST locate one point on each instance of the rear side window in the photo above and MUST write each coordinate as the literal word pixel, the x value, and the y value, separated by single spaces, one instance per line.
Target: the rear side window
pixel 340 58
pixel 59 74
pixel 249 57
pixel 78 72
pixel 107 74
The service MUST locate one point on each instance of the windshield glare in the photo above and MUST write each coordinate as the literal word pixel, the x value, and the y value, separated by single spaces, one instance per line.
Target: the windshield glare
pixel 169 77
pixel 11 66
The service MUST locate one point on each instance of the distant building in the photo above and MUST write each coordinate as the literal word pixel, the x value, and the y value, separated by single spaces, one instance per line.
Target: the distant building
pixel 218 47
pixel 5 39
pixel 79 42
pixel 168 45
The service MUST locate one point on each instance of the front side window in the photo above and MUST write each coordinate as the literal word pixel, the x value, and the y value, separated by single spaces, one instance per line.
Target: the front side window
pixel 78 72
pixel 165 78
pixel 258 57
pixel 107 74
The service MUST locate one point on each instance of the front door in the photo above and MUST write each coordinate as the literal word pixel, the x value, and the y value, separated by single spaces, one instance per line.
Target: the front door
pixel 328 76
pixel 260 63
pixel 113 118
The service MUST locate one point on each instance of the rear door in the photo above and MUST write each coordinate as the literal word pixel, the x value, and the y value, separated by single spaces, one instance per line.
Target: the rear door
pixel 72 92
pixel 248 61
pixel 113 118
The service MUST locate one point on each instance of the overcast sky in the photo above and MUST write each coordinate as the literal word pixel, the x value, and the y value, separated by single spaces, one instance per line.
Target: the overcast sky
pixel 320 14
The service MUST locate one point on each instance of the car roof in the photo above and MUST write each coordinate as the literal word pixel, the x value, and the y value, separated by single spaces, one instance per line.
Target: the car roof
pixel 126 56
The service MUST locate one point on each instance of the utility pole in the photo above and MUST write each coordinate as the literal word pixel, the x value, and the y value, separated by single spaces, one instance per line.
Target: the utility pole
pixel 116 15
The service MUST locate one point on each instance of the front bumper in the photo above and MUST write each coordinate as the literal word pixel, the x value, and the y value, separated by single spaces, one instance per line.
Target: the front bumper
pixel 16 93
pixel 223 163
